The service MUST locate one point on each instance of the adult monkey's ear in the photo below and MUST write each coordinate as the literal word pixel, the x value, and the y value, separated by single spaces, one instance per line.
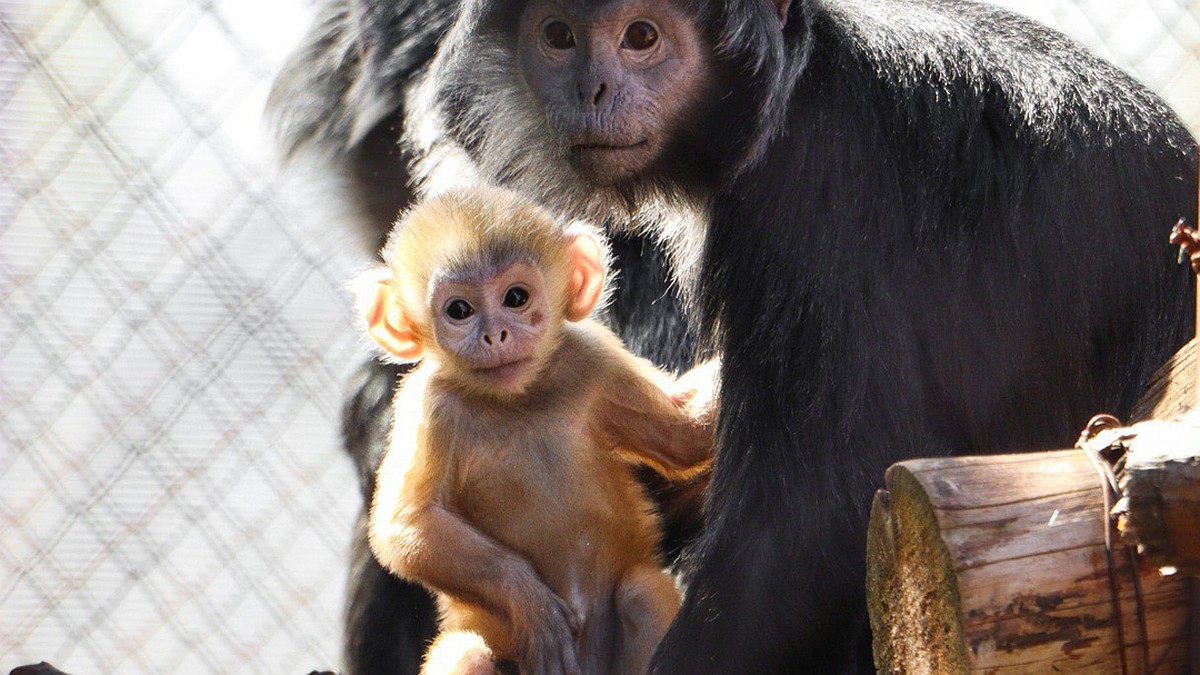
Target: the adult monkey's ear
pixel 585 283
pixel 387 322
pixel 781 8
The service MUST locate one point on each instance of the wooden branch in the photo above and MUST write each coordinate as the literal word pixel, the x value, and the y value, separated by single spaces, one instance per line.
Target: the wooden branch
pixel 998 565
pixel 1160 511
pixel 1172 391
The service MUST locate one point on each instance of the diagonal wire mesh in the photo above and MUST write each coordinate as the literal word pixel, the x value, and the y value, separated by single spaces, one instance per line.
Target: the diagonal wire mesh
pixel 174 338
pixel 173 343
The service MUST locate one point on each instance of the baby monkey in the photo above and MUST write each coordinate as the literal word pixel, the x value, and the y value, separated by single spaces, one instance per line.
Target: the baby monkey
pixel 504 488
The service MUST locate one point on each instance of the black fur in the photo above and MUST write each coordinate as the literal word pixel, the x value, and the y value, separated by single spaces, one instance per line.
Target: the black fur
pixel 42 668
pixel 389 621
pixel 951 243
pixel 935 228
pixel 342 94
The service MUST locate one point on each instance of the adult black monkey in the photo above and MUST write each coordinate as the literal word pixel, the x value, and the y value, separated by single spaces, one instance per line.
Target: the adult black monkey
pixel 926 227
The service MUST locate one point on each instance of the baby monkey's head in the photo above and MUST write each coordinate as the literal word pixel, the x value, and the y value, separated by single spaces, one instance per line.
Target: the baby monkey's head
pixel 480 281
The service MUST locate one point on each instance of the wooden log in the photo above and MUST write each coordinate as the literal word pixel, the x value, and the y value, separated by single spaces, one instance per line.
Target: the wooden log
pixel 998 565
pixel 1162 472
pixel 1160 509
pixel 1173 393
pixel 1173 389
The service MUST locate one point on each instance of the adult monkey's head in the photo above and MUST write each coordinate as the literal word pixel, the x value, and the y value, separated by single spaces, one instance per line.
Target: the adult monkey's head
pixel 626 111
pixel 618 81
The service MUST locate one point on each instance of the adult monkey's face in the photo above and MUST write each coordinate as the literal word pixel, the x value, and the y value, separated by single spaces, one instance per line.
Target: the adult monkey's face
pixel 618 81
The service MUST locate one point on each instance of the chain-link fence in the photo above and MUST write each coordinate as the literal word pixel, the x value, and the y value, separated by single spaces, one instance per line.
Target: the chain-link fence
pixel 173 348
pixel 174 338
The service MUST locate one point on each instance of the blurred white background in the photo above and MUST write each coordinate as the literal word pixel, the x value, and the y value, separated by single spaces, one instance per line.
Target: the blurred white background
pixel 175 338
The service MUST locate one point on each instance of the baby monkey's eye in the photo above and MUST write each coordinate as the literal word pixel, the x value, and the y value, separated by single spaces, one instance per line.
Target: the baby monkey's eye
pixel 459 309
pixel 516 297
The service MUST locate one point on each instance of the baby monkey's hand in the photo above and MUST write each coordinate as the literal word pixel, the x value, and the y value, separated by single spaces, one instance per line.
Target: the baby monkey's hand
pixel 698 391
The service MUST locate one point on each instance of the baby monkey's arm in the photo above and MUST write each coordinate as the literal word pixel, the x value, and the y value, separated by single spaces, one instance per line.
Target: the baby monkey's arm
pixel 647 416
pixel 416 535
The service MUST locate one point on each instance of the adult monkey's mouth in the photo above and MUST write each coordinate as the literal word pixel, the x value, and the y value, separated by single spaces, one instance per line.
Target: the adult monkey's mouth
pixel 605 162
pixel 610 147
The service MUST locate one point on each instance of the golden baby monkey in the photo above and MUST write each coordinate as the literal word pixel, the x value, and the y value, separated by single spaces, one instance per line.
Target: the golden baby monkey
pixel 504 488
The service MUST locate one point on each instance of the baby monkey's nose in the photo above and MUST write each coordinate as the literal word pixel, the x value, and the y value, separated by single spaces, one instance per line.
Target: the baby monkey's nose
pixel 501 338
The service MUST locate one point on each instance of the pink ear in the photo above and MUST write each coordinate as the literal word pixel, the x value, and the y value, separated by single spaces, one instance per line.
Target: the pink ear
pixel 586 281
pixel 388 325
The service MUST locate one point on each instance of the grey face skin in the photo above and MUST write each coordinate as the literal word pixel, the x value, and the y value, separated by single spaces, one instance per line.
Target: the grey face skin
pixel 615 81
pixel 493 325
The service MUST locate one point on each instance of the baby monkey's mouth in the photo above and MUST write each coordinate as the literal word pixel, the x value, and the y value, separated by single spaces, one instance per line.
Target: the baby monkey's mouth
pixel 505 371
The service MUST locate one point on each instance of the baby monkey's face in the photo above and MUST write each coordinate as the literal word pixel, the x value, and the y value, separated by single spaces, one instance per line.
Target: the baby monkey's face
pixel 492 323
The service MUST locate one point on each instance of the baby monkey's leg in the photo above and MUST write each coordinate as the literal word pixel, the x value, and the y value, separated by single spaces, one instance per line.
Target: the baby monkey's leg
pixel 647 601
pixel 459 653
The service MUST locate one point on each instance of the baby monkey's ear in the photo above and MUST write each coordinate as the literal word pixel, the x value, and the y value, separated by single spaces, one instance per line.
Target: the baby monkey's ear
pixel 585 284
pixel 387 323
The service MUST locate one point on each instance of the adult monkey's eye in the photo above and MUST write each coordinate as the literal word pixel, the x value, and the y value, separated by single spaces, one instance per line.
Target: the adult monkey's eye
pixel 516 297
pixel 558 35
pixel 459 310
pixel 640 36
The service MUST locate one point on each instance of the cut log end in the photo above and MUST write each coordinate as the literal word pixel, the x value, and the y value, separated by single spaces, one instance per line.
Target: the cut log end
pixel 911 584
